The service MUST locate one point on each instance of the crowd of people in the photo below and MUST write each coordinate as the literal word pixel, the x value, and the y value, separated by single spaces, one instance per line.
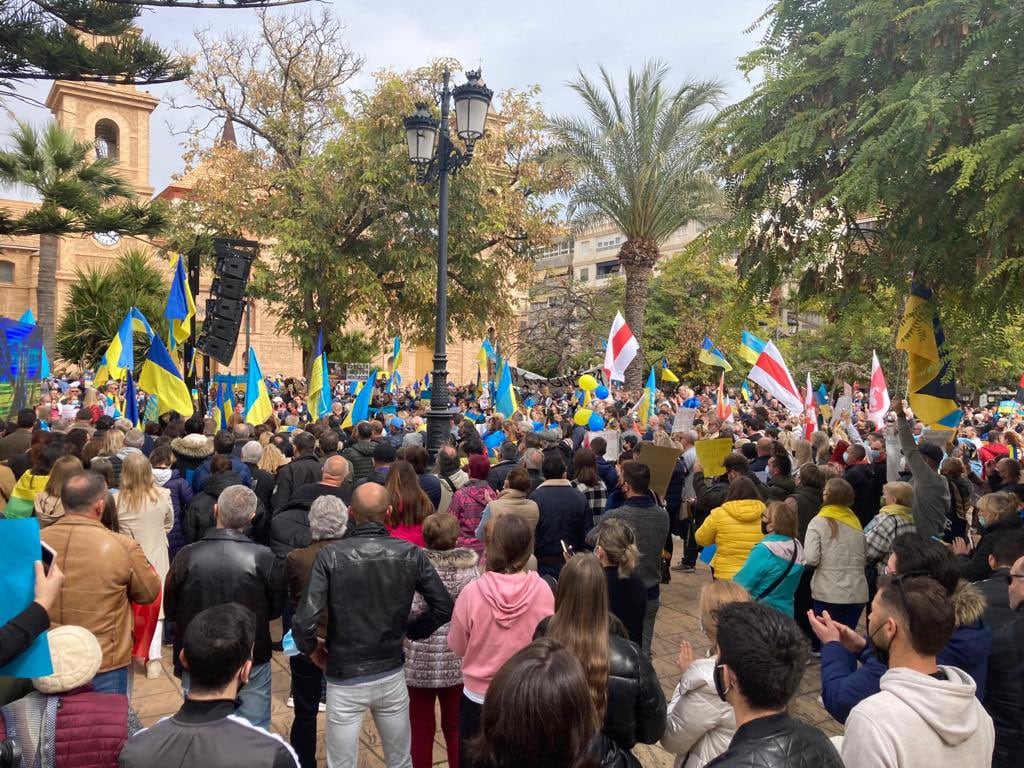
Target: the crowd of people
pixel 512 583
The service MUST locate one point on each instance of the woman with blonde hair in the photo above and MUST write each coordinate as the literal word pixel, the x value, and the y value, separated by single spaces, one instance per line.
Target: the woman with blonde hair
pixel 615 546
pixel 997 515
pixel 272 459
pixel 48 508
pixel 622 682
pixel 895 518
pixel 802 453
pixel 145 512
pixel 700 725
pixel 820 447
pixel 835 548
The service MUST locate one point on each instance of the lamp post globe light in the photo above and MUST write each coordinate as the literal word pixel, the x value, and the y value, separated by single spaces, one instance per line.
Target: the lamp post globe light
pixel 436 157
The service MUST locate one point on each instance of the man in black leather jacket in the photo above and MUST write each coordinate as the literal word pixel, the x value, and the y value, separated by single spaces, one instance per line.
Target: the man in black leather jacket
pixel 366 581
pixel 761 660
pixel 226 566
pixel 304 468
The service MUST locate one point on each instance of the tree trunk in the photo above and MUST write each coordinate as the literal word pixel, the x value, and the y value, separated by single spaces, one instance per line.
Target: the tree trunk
pixel 638 258
pixel 46 289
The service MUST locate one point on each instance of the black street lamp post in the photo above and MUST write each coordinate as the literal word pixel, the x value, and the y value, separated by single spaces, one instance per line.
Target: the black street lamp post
pixel 423 134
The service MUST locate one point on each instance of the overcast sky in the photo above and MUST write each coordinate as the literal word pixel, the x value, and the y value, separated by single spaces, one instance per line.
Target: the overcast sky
pixel 520 43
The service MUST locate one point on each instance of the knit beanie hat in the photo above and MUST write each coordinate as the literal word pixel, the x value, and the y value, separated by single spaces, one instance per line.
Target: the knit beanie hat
pixel 76 656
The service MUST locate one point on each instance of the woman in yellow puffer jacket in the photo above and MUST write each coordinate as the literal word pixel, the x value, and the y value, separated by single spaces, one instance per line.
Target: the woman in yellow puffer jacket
pixel 735 527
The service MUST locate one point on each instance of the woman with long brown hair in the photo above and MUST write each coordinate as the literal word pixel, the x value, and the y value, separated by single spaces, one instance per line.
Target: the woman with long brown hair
pixel 622 682
pixel 409 504
pixel 48 508
pixel 145 512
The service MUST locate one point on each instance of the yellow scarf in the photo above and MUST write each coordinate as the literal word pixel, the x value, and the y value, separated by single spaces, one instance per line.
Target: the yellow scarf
pixel 842 514
pixel 897 509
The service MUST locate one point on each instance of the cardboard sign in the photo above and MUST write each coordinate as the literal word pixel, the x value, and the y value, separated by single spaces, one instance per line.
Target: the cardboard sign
pixel 661 460
pixel 711 454
pixel 684 420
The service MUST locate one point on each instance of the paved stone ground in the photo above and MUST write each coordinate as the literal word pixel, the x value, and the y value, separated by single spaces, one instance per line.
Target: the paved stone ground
pixel 677 621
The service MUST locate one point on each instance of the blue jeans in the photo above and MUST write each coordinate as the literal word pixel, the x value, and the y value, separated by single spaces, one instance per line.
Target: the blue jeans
pixel 254 696
pixel 114 681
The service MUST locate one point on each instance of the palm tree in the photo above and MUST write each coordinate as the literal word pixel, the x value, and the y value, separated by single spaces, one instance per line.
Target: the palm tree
pixel 638 162
pixel 78 193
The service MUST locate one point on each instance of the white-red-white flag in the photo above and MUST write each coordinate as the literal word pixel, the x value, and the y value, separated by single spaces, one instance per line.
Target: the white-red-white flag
pixel 622 348
pixel 722 408
pixel 771 373
pixel 878 394
pixel 810 418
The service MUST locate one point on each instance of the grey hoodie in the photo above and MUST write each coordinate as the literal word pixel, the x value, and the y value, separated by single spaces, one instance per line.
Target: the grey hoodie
pixel 918 721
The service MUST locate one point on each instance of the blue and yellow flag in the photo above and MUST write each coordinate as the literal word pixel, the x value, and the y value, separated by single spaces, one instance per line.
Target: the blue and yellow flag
pixel 488 349
pixel 745 391
pixel 712 355
pixel 225 405
pixel 131 401
pixel 751 347
pixel 666 374
pixel 395 380
pixel 181 306
pixel 505 397
pixel 257 400
pixel 931 389
pixel 160 377
pixel 44 360
pixel 120 355
pixel 360 410
pixel 319 399
pixel 647 404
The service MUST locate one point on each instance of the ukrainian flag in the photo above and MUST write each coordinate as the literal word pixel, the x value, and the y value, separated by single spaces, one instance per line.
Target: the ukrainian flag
pixel 257 400
pixel 319 400
pixel 360 410
pixel 646 405
pixel 751 347
pixel 181 306
pixel 224 405
pixel 931 389
pixel 505 399
pixel 131 401
pixel 488 349
pixel 745 391
pixel 120 355
pixel 712 355
pixel 160 377
pixel 395 379
pixel 666 374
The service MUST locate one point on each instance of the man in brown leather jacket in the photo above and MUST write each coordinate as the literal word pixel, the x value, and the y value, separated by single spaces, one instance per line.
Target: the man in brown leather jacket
pixel 104 572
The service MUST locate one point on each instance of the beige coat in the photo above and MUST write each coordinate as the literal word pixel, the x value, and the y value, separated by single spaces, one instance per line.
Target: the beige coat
pixel 838 562
pixel 513 502
pixel 149 526
pixel 48 509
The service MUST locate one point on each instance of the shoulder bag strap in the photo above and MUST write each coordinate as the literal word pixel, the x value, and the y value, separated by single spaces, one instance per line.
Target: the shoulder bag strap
pixel 775 584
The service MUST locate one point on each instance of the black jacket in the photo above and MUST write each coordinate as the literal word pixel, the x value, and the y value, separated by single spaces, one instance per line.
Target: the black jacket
pixel 201 733
pixel 997 599
pixel 975 567
pixel 361 456
pixel 636 703
pixel 496 477
pixel 808 504
pixel 1004 692
pixel 564 514
pixel 225 567
pixel 263 485
pixel 866 495
pixel 293 475
pixel 290 529
pixel 366 582
pixel 778 741
pixel 199 517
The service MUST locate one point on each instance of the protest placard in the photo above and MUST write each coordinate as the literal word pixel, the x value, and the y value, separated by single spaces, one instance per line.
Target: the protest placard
pixel 711 454
pixel 661 460
pixel 683 420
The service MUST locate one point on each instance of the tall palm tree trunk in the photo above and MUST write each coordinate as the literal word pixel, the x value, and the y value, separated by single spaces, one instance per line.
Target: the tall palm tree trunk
pixel 638 258
pixel 46 288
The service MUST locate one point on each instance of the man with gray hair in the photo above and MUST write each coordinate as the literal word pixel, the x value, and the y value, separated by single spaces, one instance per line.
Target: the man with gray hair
pixel 243 434
pixel 328 519
pixel 226 566
pixel 532 459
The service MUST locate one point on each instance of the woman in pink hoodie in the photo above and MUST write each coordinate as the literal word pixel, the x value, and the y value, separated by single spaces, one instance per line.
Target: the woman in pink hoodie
pixel 496 615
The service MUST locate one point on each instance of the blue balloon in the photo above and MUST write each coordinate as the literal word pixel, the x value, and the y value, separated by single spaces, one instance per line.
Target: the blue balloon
pixel 601 392
pixel 596 423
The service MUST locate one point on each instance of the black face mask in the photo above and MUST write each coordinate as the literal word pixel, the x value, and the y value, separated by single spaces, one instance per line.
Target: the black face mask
pixel 882 654
pixel 719 677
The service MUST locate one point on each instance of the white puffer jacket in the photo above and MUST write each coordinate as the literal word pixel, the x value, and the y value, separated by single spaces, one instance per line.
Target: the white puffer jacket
pixel 700 725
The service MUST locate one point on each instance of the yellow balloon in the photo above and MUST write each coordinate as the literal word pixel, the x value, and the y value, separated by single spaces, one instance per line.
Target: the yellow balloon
pixel 587 383
pixel 582 416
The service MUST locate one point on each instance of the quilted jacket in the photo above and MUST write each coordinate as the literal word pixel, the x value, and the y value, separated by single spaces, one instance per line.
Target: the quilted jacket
pixel 735 527
pixel 430 663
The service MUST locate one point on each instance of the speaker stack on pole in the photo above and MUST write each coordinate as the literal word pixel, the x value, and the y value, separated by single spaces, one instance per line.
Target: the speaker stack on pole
pixel 225 309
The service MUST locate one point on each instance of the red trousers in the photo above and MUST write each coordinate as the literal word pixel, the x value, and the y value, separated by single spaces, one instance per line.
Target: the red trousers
pixel 424 724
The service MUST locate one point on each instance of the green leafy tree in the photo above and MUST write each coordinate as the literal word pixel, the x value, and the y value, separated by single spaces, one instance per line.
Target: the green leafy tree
pixel 351 347
pixel 638 161
pixel 52 40
pixel 884 142
pixel 97 303
pixel 78 193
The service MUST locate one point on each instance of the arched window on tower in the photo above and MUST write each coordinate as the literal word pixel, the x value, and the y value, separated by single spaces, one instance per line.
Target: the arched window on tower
pixel 6 271
pixel 107 139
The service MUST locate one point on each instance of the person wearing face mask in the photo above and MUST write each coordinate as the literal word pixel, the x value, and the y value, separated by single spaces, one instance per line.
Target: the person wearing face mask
pixel 776 564
pixel 700 725
pixel 844 683
pixel 181 494
pixel 761 660
pixel 217 651
pixel 925 714
pixel 997 516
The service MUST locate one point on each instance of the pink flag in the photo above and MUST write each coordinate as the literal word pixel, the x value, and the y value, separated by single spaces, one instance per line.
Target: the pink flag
pixel 810 419
pixel 771 373
pixel 622 348
pixel 878 395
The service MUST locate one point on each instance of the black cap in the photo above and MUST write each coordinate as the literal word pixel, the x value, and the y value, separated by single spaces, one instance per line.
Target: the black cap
pixel 384 453
pixel 931 451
